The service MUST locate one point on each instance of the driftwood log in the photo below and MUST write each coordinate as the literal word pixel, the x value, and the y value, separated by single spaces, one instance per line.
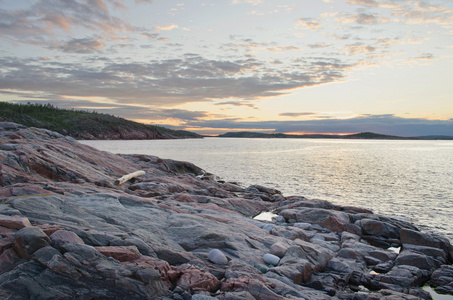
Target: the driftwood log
pixel 128 177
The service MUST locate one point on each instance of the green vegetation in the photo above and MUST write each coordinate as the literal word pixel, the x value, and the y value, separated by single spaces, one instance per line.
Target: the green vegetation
pixel 83 124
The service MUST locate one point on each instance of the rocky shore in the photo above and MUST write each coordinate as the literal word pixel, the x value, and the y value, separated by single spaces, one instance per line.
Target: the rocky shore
pixel 67 231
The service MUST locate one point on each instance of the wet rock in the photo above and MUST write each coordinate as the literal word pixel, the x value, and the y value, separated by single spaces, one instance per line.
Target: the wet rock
pixel 442 279
pixel 378 228
pixel 394 295
pixel 419 260
pixel 413 237
pixel 216 256
pixel 399 277
pixel 30 239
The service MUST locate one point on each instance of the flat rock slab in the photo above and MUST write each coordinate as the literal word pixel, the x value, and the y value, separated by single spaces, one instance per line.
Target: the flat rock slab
pixel 14 222
pixel 120 253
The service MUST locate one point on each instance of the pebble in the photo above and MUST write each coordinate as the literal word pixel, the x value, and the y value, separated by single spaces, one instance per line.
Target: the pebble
pixel 216 256
pixel 271 259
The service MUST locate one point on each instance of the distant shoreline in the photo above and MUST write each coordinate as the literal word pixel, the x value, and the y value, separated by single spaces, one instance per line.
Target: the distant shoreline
pixel 358 136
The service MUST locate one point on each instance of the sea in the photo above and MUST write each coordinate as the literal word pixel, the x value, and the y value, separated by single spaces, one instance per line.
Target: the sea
pixel 406 179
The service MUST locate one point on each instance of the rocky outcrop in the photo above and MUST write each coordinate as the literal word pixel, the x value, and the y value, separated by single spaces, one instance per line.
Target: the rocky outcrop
pixel 66 231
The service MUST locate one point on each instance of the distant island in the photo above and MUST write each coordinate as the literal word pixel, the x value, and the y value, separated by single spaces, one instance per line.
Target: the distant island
pixel 361 135
pixel 84 125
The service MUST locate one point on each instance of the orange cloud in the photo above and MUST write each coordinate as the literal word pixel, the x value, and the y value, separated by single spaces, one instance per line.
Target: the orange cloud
pixel 167 27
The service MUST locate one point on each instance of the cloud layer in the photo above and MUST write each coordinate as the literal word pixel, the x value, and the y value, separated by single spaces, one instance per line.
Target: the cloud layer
pixel 150 60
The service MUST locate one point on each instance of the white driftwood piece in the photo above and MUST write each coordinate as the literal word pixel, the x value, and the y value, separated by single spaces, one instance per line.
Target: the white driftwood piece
pixel 129 177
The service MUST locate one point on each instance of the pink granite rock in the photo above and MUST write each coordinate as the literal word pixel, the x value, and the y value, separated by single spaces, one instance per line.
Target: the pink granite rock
pixel 62 237
pixel 121 253
pixel 15 222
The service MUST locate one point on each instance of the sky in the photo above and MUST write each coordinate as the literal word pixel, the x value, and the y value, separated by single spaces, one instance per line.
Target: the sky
pixel 215 66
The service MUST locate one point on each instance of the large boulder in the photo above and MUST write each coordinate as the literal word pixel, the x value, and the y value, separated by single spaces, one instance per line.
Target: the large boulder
pixel 442 279
pixel 331 219
pixel 30 239
pixel 413 237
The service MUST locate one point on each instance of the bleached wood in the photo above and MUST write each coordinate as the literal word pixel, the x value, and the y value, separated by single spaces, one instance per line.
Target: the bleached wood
pixel 128 177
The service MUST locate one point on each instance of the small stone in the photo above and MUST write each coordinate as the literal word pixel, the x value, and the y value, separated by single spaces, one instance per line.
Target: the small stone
pixel 271 259
pixel 216 256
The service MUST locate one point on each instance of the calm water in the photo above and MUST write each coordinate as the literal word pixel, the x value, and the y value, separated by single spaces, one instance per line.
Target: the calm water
pixel 411 179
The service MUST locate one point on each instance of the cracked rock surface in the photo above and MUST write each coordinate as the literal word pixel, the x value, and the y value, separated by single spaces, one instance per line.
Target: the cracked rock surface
pixel 66 231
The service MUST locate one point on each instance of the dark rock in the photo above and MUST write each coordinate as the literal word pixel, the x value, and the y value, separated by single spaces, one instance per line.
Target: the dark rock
pixel 298 271
pixel 30 239
pixel 384 267
pixel 173 257
pixel 419 260
pixel 413 237
pixel 333 220
pixel 291 233
pixel 442 279
pixel 378 228
pixel 61 237
pixel 244 295
pixel 317 256
pixel 262 268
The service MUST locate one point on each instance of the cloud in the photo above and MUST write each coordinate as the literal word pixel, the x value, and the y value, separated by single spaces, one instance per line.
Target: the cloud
pixel 414 12
pixel 319 45
pixel 166 27
pixel 190 78
pixel 362 19
pixel 237 103
pixel 253 2
pixel 44 19
pixel 384 124
pixel 292 114
pixel 85 45
pixel 308 23
pixel 359 48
